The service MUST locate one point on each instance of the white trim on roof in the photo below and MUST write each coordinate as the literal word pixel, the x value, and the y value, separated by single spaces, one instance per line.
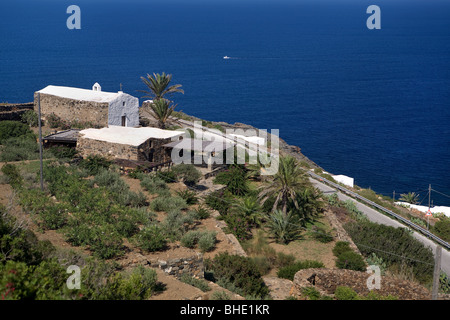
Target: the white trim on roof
pixel 80 94
pixel 128 135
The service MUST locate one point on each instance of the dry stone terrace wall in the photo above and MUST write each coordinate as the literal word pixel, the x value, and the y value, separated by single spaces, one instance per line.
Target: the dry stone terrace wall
pixel 177 267
pixel 327 280
pixel 73 110
pixel 86 146
pixel 111 150
pixel 14 112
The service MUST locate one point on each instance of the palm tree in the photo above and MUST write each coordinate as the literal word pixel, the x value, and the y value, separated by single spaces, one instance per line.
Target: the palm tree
pixel 410 197
pixel 161 109
pixel 249 207
pixel 286 184
pixel 158 86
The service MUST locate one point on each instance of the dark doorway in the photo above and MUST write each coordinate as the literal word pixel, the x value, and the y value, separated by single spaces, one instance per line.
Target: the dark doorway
pixel 124 121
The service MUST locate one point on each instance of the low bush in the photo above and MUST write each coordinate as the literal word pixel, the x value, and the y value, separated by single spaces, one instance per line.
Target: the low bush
pixel 188 173
pixel 442 229
pixel 190 239
pixel 341 247
pixel 13 176
pixel 238 225
pixel 153 184
pixel 311 293
pixel 198 283
pixel 176 224
pixel 207 241
pixel 94 164
pixel 137 285
pixel 53 217
pixel 321 235
pixel 351 260
pixel 235 178
pixel 396 246
pixel 151 238
pixel 168 203
pixel 345 293
pixel 62 152
pixel 289 271
pixel 14 129
pixel 239 271
pixel 219 200
pixel 30 117
pixel 189 196
pixel 21 148
pixel 167 176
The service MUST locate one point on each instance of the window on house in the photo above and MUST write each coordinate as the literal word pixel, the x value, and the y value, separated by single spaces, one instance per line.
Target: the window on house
pixel 123 103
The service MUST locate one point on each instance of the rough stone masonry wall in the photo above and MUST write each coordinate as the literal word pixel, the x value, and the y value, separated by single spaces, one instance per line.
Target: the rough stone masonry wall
pixel 110 150
pixel 177 267
pixel 327 280
pixel 73 110
pixel 14 111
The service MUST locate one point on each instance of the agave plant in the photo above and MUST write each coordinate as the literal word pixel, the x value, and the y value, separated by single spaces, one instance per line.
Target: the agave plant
pixel 284 227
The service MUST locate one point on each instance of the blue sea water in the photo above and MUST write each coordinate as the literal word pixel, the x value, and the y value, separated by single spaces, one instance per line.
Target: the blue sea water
pixel 371 104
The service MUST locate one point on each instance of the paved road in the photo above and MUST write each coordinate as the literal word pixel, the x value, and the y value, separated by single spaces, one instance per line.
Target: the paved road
pixel 375 216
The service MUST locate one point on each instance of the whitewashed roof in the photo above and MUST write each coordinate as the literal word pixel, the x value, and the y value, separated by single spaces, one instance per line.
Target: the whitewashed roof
pixel 80 94
pixel 128 135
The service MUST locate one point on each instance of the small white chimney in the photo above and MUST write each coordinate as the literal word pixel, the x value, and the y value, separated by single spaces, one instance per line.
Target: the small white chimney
pixel 96 87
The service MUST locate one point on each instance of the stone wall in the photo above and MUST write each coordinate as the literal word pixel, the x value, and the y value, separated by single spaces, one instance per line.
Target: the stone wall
pixel 327 280
pixel 14 112
pixel 177 267
pixel 73 110
pixel 109 150
pixel 112 150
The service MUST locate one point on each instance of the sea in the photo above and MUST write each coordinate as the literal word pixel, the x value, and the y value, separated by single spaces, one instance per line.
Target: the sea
pixel 372 104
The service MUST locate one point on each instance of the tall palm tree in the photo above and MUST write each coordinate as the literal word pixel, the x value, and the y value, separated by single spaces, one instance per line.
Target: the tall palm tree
pixel 286 184
pixel 249 207
pixel 158 86
pixel 161 109
pixel 410 197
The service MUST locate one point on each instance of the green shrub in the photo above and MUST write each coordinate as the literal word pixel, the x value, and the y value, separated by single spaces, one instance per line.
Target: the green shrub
pixel 289 271
pixel 237 225
pixel 395 246
pixel 219 200
pixel 198 283
pixel 151 238
pixel 138 285
pixel 373 259
pixel 14 129
pixel 153 184
pixel 311 293
pixel 341 247
pixel 207 241
pixel 21 148
pixel 235 179
pixel 220 295
pixel 442 229
pixel 240 271
pixel 263 263
pixel 95 163
pixel 345 293
pixel 63 152
pixel 351 260
pixel 176 224
pixel 189 196
pixel 13 176
pixel 321 235
pixel 106 243
pixel 167 176
pixel 167 204
pixel 190 239
pixel 53 217
pixel 30 117
pixel 284 260
pixel 188 173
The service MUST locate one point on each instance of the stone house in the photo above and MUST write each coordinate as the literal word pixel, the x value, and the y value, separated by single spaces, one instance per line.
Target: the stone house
pixel 116 142
pixel 83 105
